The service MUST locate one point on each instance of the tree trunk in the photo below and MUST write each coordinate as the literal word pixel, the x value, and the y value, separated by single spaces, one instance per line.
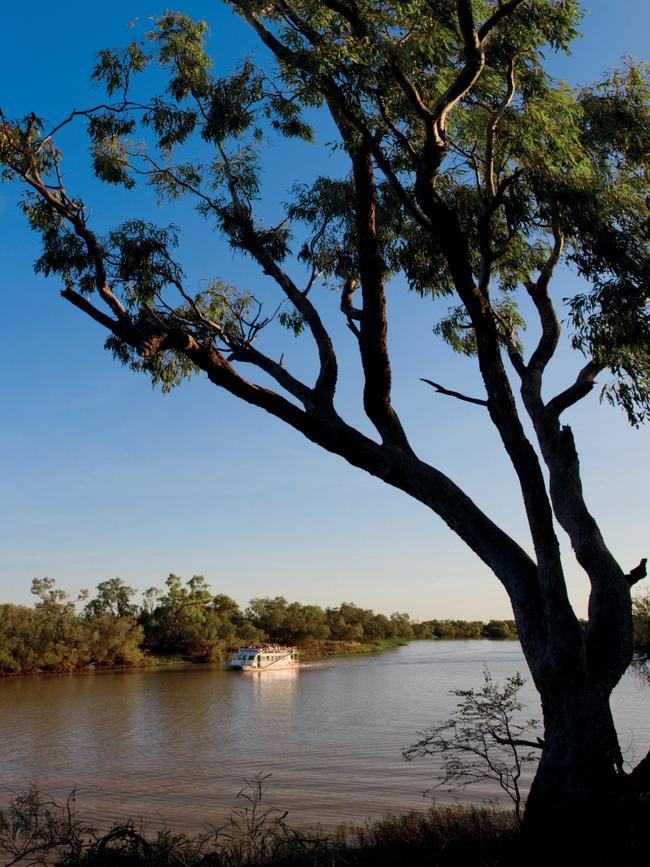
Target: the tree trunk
pixel 576 807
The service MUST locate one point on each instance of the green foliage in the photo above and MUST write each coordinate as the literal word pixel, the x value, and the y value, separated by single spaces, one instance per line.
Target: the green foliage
pixel 171 125
pixel 504 629
pixel 142 260
pixel 292 321
pixel 466 629
pixel 183 619
pixel 109 150
pixel 187 619
pixel 301 624
pixel 574 163
pixel 456 331
pixel 18 627
pixel 63 252
pixel 483 739
pixel 167 369
pixel 115 67
pixel 113 641
pixel 231 99
pixel 52 636
pixel 190 620
pixel 180 46
pixel 114 598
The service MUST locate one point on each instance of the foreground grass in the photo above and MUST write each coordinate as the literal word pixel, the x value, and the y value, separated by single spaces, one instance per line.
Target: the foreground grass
pixel 37 830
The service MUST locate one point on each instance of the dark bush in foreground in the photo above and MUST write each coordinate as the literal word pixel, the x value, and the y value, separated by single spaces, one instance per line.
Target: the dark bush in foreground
pixel 38 830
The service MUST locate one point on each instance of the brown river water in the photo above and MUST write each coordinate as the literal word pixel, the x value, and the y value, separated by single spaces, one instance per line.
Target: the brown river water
pixel 174 745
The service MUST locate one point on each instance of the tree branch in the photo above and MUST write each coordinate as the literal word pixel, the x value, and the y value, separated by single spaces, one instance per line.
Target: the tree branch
pixel 353 314
pixel 252 243
pixel 493 195
pixel 609 608
pixel 518 742
pixel 515 356
pixel 583 384
pixel 83 304
pixel 538 291
pixel 491 130
pixel 474 62
pixel 81 230
pixel 248 353
pixel 373 345
pixel 503 10
pixel 349 11
pixel 638 573
pixel 457 394
pixel 342 107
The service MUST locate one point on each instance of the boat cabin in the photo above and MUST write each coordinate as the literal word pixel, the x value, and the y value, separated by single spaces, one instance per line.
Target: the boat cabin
pixel 265 657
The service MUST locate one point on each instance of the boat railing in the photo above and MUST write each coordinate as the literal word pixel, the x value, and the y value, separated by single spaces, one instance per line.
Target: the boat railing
pixel 290 654
pixel 278 652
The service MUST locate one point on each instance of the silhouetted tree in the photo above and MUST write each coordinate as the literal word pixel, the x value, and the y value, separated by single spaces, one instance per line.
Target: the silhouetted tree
pixel 485 739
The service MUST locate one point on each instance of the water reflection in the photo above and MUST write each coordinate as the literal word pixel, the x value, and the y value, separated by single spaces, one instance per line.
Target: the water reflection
pixel 273 675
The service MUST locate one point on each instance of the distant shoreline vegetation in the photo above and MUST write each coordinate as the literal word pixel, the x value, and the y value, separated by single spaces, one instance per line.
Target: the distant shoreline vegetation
pixel 187 622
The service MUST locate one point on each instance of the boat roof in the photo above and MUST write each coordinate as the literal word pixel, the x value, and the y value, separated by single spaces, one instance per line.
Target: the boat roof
pixel 267 648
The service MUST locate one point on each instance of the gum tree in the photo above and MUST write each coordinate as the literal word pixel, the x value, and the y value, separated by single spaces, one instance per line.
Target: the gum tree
pixel 470 174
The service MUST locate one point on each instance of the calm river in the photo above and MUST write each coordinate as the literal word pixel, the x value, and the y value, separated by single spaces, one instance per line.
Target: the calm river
pixel 173 745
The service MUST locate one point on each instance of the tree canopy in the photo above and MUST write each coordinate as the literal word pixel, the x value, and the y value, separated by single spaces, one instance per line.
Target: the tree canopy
pixel 469 174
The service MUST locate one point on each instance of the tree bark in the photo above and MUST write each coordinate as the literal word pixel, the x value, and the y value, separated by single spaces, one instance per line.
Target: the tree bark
pixel 577 806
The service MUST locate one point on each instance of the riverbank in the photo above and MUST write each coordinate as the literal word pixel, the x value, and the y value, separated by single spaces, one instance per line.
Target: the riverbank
pixel 38 830
pixel 309 652
pixel 324 649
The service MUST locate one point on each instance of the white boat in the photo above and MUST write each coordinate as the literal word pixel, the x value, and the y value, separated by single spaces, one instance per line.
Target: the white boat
pixel 265 657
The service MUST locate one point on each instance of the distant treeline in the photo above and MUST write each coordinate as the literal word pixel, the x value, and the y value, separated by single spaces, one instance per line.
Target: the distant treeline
pixel 111 629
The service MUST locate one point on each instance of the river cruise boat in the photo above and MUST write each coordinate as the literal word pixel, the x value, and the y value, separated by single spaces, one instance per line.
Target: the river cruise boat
pixel 265 657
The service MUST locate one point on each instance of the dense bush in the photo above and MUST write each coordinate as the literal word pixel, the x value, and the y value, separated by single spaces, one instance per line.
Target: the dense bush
pixel 52 636
pixel 186 618
pixel 464 629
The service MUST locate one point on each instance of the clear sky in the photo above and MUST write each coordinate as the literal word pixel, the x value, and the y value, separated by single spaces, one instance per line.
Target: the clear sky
pixel 102 476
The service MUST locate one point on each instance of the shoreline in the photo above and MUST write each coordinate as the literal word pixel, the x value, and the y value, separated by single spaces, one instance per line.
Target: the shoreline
pixel 447 836
pixel 323 649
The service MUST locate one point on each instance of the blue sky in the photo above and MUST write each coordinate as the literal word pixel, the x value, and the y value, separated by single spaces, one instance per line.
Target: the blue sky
pixel 103 476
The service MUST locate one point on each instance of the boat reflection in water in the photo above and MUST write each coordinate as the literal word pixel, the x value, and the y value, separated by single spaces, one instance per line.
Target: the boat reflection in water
pixel 265 658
